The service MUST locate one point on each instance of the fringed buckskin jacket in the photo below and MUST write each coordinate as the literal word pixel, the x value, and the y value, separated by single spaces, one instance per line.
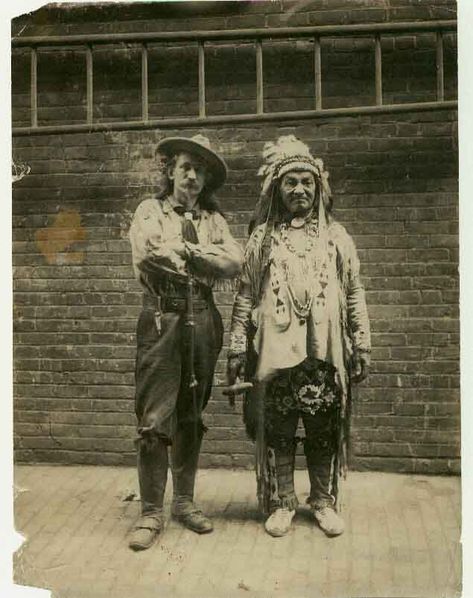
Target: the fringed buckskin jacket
pixel 264 315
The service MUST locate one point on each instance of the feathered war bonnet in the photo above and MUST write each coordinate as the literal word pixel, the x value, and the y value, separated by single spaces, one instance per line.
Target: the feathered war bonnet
pixel 287 154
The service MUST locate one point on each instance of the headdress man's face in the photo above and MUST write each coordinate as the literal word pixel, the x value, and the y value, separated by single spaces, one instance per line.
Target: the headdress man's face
pixel 188 174
pixel 297 189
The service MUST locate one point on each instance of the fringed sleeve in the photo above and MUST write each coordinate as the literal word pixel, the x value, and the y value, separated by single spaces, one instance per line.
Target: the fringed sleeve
pixel 249 282
pixel 356 329
pixel 355 300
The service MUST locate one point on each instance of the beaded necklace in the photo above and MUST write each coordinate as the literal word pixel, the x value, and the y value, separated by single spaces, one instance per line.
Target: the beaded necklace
pixel 301 310
pixel 311 234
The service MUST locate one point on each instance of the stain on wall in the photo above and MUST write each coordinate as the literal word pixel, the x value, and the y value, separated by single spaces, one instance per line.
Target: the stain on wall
pixel 58 241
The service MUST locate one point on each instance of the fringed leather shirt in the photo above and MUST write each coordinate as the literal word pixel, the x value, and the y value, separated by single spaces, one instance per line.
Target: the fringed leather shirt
pixel 332 323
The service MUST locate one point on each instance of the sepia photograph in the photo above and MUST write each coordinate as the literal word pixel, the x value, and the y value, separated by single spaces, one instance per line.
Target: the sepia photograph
pixel 236 283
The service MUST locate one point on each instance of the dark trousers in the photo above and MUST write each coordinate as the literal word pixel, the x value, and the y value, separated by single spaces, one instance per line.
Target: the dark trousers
pixel 308 392
pixel 319 450
pixel 169 412
pixel 153 464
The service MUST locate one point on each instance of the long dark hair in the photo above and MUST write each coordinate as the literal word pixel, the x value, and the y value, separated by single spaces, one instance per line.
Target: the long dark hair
pixel 271 209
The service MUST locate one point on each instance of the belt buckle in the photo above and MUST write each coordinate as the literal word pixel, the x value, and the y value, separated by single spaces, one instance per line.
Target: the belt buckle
pixel 172 304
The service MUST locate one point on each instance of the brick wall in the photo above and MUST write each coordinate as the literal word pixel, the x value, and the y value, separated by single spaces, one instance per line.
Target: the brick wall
pixel 394 179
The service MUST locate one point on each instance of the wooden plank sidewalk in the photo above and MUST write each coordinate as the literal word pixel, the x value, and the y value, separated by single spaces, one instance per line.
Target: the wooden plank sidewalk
pixel 402 539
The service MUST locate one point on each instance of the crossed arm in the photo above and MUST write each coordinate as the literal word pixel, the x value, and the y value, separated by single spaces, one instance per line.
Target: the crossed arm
pixel 157 246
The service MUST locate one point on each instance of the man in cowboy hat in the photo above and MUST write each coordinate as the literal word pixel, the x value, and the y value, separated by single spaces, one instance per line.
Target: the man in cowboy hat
pixel 300 331
pixel 182 249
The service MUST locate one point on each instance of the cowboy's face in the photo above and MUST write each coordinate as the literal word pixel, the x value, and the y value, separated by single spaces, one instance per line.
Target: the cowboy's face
pixel 298 192
pixel 189 175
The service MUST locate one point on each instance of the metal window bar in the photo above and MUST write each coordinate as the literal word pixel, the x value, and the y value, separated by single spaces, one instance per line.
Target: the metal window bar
pixel 259 78
pixel 378 70
pixel 317 73
pixel 238 34
pixel 144 83
pixel 316 33
pixel 34 87
pixel 90 85
pixel 201 79
pixel 440 71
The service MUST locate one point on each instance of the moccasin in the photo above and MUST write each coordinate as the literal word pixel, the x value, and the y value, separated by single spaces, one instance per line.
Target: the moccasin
pixel 279 522
pixel 329 521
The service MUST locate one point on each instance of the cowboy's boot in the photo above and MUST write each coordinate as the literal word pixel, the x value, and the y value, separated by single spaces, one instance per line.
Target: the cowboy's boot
pixel 185 457
pixel 152 474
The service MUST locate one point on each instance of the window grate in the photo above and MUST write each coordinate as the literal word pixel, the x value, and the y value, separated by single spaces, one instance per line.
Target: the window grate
pixel 375 31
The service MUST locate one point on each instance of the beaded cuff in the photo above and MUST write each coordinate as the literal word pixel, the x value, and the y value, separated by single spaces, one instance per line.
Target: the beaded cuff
pixel 361 341
pixel 237 344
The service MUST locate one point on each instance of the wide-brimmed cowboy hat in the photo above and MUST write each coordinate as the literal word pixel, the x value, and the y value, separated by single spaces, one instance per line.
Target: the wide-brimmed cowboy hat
pixel 197 145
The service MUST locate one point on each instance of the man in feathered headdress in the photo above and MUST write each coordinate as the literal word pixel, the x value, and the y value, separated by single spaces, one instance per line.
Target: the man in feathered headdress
pixel 300 332
pixel 182 249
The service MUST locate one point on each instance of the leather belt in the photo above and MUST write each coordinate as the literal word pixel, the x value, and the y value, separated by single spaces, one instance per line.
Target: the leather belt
pixel 173 304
